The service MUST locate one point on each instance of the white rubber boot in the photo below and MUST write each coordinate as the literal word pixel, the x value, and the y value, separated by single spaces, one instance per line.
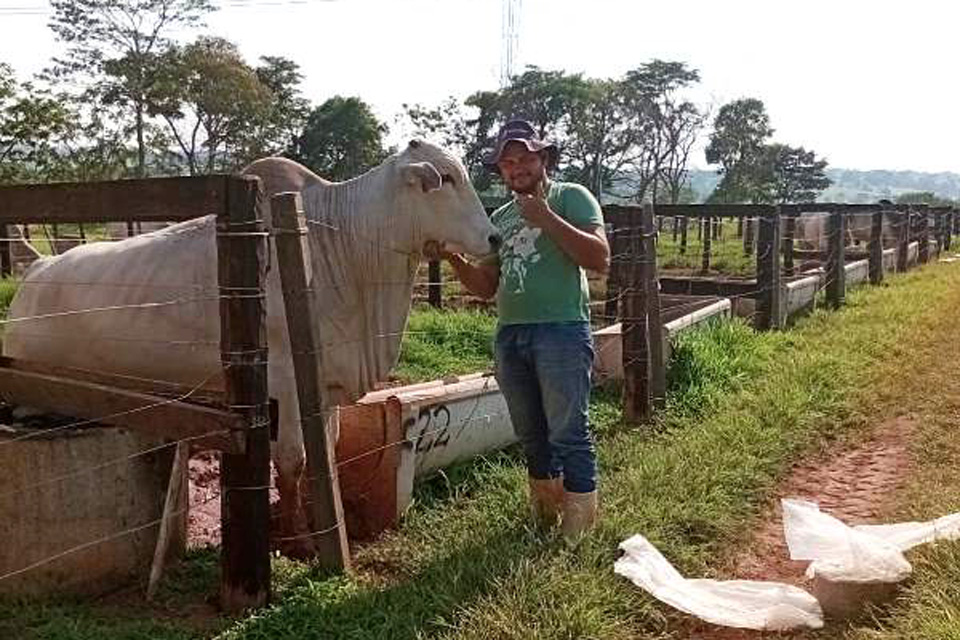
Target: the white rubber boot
pixel 546 501
pixel 579 515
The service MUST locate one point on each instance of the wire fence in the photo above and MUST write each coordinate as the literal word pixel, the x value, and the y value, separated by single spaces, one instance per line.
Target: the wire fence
pixel 714 238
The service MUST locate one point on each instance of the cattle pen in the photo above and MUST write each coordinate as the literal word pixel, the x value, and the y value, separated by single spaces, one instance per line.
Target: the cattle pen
pixel 227 412
pixel 395 433
pixel 778 290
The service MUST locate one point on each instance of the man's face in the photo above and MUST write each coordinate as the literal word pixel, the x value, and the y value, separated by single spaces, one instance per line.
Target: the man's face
pixel 520 168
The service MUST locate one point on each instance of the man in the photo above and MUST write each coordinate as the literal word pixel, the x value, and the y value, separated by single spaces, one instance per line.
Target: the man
pixel 550 232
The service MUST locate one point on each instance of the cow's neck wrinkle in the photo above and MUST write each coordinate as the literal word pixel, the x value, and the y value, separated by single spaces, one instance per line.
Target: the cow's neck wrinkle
pixel 363 276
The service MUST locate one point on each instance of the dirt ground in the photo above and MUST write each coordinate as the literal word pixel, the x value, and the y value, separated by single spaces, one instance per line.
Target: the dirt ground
pixel 203 523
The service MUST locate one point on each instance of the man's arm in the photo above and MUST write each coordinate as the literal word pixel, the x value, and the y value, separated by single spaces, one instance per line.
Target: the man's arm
pixel 479 279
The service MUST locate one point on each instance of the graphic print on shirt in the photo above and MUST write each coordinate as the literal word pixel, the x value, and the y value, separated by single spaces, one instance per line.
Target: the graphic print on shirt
pixel 518 254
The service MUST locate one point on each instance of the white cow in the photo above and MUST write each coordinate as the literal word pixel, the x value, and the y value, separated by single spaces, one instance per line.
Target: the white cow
pixel 365 238
pixel 812 231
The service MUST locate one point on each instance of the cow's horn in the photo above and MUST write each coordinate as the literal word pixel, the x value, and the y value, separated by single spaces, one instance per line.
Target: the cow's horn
pixel 422 173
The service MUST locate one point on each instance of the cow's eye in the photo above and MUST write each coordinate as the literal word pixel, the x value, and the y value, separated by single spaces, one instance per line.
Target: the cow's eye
pixel 446 178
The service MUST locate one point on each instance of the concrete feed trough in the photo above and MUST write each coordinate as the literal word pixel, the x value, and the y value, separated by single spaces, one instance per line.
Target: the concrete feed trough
pixel 79 509
pixel 678 313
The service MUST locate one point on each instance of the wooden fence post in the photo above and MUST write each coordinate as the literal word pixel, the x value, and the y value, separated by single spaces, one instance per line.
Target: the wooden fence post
pixel 6 251
pixel 637 400
pixel 651 295
pixel 903 240
pixel 789 233
pixel 941 225
pixel 717 225
pixel 245 478
pixel 748 236
pixel 684 228
pixel 325 506
pixel 434 284
pixel 619 246
pixel 768 271
pixel 948 231
pixel 642 328
pixel 676 228
pixel 924 236
pixel 707 223
pixel 876 247
pixel 836 274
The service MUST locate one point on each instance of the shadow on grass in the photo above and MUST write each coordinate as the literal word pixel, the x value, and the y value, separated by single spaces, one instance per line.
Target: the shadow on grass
pixel 422 603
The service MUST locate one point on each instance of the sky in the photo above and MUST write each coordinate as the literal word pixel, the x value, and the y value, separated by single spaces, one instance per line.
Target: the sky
pixel 865 84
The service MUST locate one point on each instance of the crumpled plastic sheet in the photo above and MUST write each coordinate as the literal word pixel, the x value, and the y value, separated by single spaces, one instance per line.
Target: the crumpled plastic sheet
pixel 865 553
pixel 839 553
pixel 746 604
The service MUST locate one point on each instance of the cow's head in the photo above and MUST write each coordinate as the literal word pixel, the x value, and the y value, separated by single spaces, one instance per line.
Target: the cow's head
pixel 439 194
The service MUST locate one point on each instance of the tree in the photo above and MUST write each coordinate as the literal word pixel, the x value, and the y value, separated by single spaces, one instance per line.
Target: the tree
pixel 32 126
pixel 741 130
pixel 681 130
pixel 795 174
pixel 446 124
pixel 341 139
pixel 277 130
pixel 544 98
pixel 667 126
pixel 118 44
pixel 212 102
pixel 601 136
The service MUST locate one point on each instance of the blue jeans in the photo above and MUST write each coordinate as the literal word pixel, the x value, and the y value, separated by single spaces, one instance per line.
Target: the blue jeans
pixel 544 374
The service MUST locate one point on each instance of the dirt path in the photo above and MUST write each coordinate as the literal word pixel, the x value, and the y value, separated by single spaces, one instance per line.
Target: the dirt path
pixel 853 483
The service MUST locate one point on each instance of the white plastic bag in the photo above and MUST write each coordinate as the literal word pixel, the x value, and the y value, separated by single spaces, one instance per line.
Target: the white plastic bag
pixel 865 553
pixel 907 535
pixel 839 553
pixel 735 603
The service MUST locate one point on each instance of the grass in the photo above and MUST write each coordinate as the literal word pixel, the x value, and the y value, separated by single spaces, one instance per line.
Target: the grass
pixel 726 254
pixel 41 234
pixel 465 564
pixel 441 343
pixel 76 619
pixel 468 567
pixel 8 288
pixel 929 607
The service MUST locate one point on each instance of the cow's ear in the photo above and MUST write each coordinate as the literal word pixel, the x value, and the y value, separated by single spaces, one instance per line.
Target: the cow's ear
pixel 422 174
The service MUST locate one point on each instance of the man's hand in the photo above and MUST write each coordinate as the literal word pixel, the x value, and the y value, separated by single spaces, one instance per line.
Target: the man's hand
pixel 534 207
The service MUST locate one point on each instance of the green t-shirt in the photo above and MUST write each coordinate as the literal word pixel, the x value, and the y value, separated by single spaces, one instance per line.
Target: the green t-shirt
pixel 538 282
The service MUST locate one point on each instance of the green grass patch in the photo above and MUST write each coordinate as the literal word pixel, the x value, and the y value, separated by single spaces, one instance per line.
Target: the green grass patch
pixel 726 254
pixel 929 606
pixel 466 565
pixel 711 362
pixel 439 343
pixel 168 618
pixel 8 289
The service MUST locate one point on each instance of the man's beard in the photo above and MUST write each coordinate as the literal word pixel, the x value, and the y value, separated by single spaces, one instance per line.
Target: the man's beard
pixel 526 186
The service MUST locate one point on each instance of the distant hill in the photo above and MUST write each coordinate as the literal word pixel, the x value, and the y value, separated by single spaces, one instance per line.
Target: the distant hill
pixel 854 186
